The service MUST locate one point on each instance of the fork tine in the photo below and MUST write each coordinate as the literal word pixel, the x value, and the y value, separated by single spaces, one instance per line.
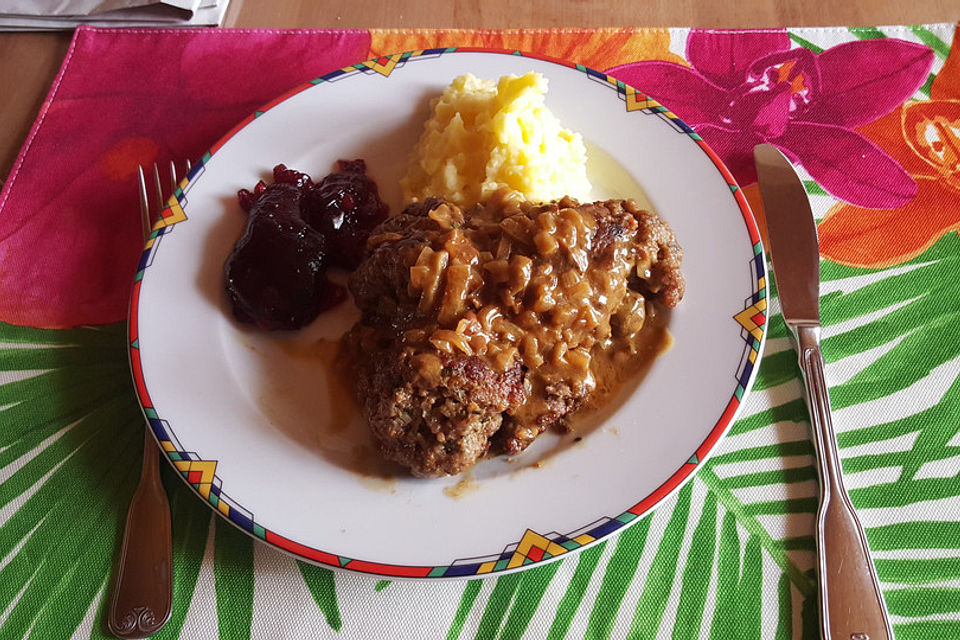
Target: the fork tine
pixel 173 176
pixel 189 166
pixel 146 214
pixel 145 221
pixel 156 183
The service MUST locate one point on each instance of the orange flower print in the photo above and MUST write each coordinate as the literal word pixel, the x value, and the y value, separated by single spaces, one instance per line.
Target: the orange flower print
pixel 594 48
pixel 925 138
pixel 876 238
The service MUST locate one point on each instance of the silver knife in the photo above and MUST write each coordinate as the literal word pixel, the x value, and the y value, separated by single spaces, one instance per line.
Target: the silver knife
pixel 851 604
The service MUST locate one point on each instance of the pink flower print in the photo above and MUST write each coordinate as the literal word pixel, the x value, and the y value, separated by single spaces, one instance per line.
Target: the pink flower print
pixel 746 88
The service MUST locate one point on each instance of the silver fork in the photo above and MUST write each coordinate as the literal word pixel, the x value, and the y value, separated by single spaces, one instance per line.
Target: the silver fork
pixel 143 586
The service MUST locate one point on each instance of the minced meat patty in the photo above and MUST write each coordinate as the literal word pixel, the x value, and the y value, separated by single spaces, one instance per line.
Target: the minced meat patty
pixel 480 327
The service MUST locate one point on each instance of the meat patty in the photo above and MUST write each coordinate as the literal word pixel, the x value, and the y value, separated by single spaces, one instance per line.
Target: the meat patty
pixel 436 414
pixel 479 326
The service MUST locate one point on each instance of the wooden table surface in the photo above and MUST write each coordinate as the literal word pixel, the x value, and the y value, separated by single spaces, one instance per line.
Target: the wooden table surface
pixel 29 61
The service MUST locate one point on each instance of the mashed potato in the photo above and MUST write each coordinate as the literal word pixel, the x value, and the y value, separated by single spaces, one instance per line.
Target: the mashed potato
pixel 485 135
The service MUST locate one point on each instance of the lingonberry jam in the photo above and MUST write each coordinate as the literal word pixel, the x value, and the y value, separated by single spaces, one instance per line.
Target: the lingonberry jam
pixel 345 206
pixel 275 278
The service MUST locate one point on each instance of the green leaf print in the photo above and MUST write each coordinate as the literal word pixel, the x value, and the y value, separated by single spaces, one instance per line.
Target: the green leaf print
pixel 533 584
pixel 233 571
pixel 191 526
pixel 323 587
pixel 695 579
pixel 70 453
pixel 469 596
pixel 656 590
pixel 497 605
pixel 586 565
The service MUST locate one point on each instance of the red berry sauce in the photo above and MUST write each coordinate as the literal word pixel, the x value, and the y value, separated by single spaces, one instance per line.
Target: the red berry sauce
pixel 275 278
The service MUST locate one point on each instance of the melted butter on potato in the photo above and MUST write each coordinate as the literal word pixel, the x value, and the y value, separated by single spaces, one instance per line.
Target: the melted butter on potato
pixel 486 135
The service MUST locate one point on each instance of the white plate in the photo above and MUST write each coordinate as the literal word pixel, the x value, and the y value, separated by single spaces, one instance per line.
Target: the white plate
pixel 247 419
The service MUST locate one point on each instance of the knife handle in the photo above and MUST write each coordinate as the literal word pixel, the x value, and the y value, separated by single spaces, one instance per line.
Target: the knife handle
pixel 851 604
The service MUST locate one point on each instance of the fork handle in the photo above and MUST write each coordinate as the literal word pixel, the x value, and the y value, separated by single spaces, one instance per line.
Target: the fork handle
pixel 142 595
pixel 851 604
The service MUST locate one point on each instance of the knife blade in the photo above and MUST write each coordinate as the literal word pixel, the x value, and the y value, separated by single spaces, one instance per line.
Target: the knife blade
pixel 851 604
pixel 793 236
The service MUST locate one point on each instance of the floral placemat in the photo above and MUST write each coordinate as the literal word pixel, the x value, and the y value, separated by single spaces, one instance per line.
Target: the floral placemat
pixel 872 116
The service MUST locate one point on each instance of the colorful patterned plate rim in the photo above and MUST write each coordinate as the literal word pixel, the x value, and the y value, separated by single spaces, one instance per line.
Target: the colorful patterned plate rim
pixel 246 418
